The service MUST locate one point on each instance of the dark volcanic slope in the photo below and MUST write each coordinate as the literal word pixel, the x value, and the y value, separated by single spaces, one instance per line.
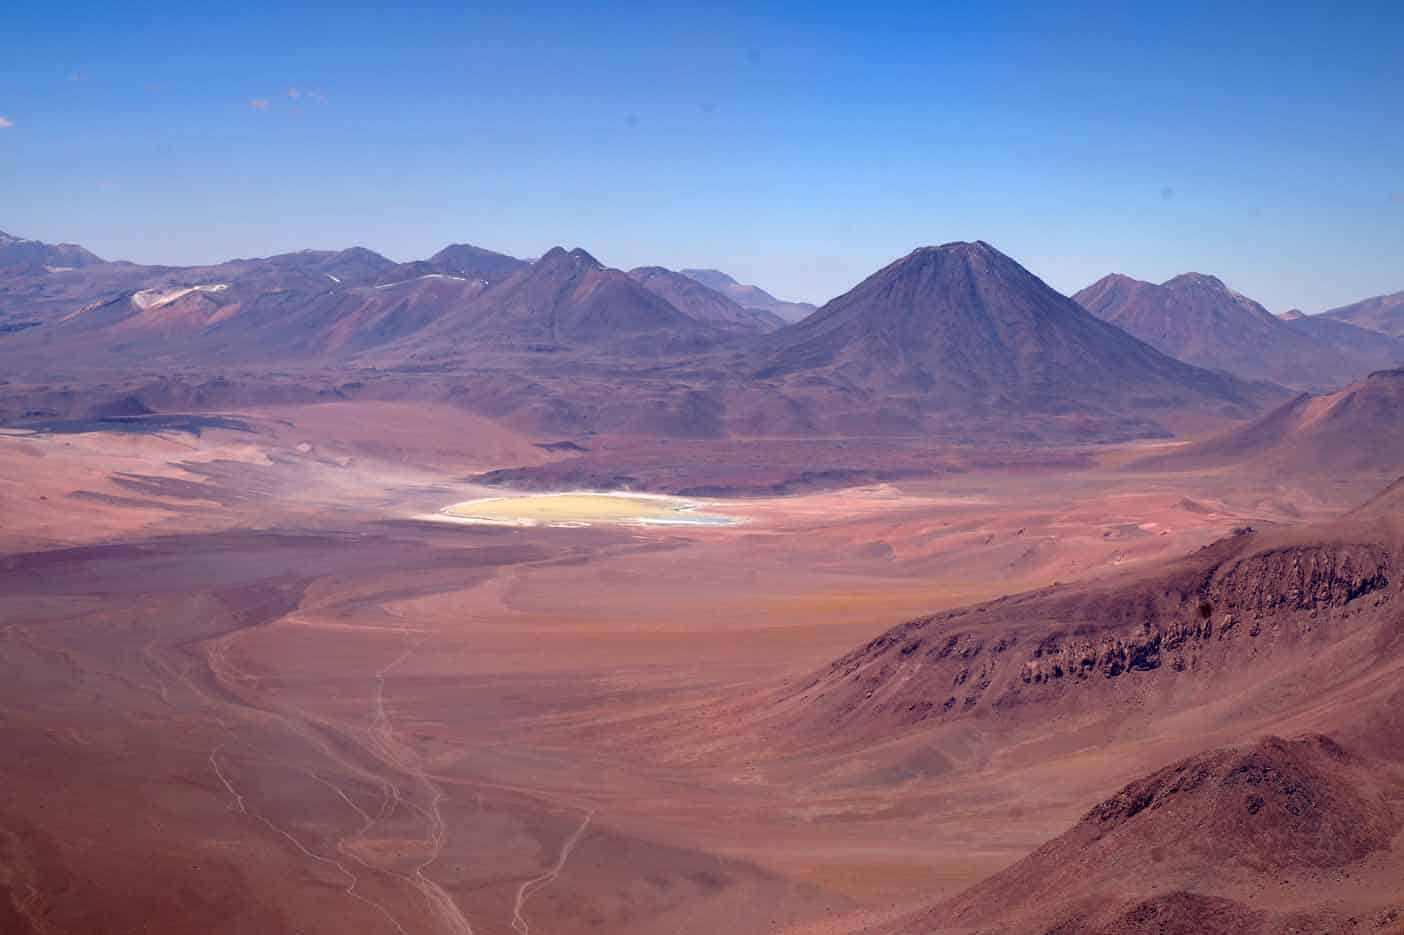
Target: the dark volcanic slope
pixel 753 297
pixel 1383 313
pixel 1355 433
pixel 706 305
pixel 1198 319
pixel 964 329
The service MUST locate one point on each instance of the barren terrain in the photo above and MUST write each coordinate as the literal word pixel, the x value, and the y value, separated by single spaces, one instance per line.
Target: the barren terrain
pixel 244 683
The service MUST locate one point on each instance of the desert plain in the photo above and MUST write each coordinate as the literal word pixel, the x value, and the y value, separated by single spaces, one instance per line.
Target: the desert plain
pixel 248 677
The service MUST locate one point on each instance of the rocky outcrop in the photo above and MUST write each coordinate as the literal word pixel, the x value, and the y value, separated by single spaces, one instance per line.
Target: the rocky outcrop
pixel 1233 602
pixel 1319 578
pixel 1162 854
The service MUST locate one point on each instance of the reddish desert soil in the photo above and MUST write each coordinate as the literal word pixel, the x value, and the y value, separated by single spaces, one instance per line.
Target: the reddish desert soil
pixel 244 687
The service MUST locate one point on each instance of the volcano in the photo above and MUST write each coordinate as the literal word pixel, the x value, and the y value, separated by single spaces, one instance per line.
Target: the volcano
pixel 963 330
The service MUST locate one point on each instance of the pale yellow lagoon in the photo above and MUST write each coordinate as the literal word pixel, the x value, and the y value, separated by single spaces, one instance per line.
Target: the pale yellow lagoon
pixel 585 509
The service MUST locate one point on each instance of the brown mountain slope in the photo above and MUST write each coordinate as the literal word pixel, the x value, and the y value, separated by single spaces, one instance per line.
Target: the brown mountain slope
pixel 1383 313
pixel 33 297
pixel 1198 319
pixel 1355 435
pixel 965 333
pixel 1020 701
pixel 261 309
pixel 1190 849
pixel 706 305
pixel 1164 632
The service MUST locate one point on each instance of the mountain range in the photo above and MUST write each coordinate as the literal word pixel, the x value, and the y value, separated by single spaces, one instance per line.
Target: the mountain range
pixel 1200 320
pixel 956 341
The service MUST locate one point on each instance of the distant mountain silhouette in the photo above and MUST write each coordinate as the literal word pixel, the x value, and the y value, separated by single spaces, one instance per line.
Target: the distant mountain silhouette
pixel 703 304
pixel 475 262
pixel 1372 349
pixel 749 296
pixel 17 252
pixel 1383 313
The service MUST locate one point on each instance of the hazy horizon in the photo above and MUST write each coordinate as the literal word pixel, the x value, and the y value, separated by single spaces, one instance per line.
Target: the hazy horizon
pixel 520 591
pixel 799 152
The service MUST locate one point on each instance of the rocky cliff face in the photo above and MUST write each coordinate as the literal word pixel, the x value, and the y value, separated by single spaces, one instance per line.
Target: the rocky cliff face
pixel 1219 611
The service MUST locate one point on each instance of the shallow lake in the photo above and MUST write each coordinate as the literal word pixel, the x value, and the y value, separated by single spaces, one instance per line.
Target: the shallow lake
pixel 584 509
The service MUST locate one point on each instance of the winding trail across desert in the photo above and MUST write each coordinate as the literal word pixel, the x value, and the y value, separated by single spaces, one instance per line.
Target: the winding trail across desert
pixel 383 724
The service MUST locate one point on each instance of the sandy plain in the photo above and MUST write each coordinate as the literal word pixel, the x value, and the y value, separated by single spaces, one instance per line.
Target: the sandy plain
pixel 244 689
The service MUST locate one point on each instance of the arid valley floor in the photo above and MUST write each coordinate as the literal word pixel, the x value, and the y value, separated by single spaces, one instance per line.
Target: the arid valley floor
pixel 245 679
pixel 701 468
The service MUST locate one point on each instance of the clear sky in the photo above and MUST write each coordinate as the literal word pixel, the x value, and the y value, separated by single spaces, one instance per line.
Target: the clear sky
pixel 796 145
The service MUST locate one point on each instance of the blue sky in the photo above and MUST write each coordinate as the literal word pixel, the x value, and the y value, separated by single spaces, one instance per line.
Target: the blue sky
pixel 797 146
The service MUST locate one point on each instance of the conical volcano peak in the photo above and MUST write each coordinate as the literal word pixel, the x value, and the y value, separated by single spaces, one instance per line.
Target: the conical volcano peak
pixel 962 326
pixel 972 257
pixel 967 249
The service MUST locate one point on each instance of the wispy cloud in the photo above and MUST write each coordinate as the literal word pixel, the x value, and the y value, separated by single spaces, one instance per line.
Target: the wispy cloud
pixel 292 95
pixel 6 123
